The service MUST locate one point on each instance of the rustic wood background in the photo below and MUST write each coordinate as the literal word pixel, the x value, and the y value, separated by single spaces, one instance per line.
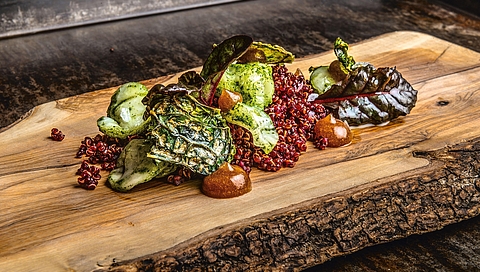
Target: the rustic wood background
pixel 20 17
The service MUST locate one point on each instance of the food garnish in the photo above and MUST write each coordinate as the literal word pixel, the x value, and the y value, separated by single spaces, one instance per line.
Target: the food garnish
pixel 365 94
pixel 252 80
pixel 266 53
pixel 257 122
pixel 89 175
pixel 243 110
pixel 218 62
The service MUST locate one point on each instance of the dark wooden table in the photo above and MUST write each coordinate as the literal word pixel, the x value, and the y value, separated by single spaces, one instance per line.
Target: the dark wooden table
pixel 50 65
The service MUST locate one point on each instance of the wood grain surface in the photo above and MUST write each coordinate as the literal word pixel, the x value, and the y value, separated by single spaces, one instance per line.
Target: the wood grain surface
pixel 47 223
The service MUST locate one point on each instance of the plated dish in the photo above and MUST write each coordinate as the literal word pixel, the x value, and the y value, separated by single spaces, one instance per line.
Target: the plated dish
pixel 243 110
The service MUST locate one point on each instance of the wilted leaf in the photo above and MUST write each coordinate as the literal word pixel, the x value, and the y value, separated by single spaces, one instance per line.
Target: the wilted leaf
pixel 218 61
pixel 370 95
pixel 191 80
pixel 225 53
pixel 266 53
pixel 188 133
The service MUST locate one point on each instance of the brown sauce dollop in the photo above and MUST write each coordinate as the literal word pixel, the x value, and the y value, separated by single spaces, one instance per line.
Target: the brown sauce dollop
pixel 228 181
pixel 337 70
pixel 228 100
pixel 336 131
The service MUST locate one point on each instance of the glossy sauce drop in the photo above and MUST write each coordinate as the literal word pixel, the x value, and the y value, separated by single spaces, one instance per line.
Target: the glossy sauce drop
pixel 336 131
pixel 337 70
pixel 227 182
pixel 228 100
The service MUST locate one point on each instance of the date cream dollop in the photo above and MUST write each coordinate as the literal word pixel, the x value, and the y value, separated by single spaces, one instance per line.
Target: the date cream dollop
pixel 227 182
pixel 336 131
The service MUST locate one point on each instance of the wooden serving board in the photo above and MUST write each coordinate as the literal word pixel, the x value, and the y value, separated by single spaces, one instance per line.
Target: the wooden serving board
pixel 390 183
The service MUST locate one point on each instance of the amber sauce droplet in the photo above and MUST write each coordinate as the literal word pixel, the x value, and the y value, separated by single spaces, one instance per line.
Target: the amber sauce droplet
pixel 228 100
pixel 336 131
pixel 227 182
pixel 337 70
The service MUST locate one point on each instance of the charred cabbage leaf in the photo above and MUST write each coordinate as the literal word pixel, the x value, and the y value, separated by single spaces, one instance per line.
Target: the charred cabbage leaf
pixel 186 132
pixel 254 81
pixel 125 112
pixel 134 167
pixel 266 53
pixel 364 94
pixel 257 122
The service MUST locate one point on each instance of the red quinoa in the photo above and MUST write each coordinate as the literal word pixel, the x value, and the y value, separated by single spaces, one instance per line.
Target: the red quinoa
pixel 293 116
pixel 57 135
pixel 101 150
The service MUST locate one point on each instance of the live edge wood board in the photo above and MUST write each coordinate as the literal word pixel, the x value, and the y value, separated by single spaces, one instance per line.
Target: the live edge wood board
pixel 414 175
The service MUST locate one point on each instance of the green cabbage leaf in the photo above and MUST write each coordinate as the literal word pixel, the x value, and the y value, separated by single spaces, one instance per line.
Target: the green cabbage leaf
pixel 186 132
pixel 135 167
pixel 125 114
